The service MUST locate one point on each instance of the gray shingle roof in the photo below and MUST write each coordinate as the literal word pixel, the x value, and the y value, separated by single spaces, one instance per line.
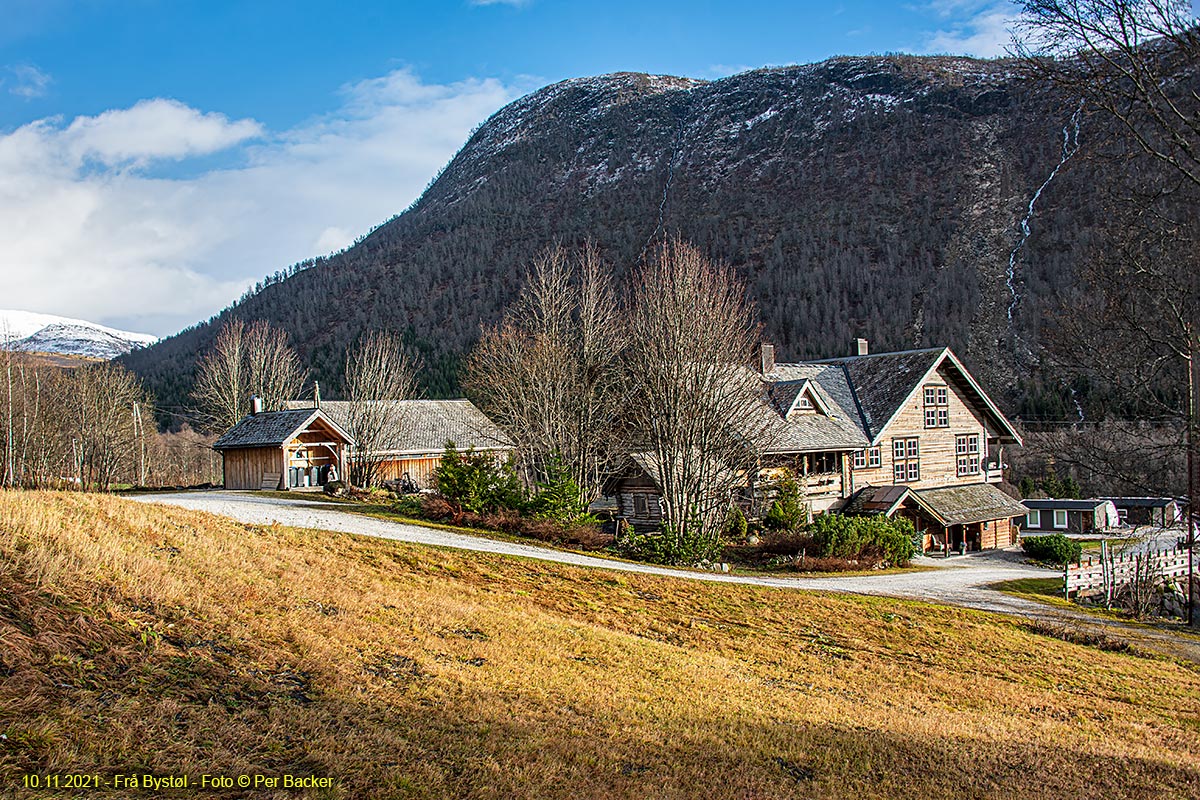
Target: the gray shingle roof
pixel 266 429
pixel 841 430
pixel 880 383
pixel 814 432
pixel 975 502
pixel 428 424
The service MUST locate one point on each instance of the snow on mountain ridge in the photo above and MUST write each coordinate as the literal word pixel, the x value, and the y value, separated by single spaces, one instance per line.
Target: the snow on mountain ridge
pixel 47 333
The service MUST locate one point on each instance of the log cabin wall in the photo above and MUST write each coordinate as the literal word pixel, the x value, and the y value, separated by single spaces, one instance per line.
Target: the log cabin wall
pixel 640 501
pixel 245 467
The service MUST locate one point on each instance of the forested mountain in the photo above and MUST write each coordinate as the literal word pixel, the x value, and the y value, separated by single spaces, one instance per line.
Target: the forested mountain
pixel 880 197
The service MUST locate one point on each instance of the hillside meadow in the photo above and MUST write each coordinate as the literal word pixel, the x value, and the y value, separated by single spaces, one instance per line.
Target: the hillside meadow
pixel 138 638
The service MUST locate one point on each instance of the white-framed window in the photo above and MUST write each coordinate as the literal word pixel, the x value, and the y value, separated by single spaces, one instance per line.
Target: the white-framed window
pixel 1033 519
pixel 966 448
pixel 906 460
pixel 870 458
pixel 805 403
pixel 937 407
pixel 1060 519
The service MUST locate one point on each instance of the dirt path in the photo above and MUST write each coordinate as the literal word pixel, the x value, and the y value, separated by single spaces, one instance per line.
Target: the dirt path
pixel 960 581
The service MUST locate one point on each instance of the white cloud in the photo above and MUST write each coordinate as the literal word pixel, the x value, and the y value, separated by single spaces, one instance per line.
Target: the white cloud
pixel 90 230
pixel 975 28
pixel 154 129
pixel 27 81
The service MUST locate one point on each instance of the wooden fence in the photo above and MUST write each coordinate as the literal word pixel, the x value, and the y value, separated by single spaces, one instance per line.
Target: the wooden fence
pixel 1111 571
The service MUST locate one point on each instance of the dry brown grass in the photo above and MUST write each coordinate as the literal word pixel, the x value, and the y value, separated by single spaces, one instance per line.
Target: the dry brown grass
pixel 136 636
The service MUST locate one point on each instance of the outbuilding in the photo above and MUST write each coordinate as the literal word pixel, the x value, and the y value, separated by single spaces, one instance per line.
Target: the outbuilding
pixel 1068 516
pixel 281 450
pixel 1162 512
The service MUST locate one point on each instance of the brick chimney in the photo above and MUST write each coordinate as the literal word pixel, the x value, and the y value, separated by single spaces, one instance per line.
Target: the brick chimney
pixel 768 358
pixel 861 347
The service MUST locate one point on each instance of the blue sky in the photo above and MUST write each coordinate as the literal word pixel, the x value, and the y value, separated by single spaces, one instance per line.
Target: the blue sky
pixel 159 156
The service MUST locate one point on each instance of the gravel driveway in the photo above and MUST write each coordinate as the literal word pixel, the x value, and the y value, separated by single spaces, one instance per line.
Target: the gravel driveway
pixel 959 580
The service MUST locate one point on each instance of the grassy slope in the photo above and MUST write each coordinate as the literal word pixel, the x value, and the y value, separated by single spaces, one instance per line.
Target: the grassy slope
pixel 139 636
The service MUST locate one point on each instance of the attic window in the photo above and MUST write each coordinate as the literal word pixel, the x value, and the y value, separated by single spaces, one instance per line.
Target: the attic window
pixel 805 403
pixel 937 407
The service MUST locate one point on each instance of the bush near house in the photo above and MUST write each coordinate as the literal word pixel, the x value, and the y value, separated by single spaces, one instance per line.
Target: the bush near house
pixel 886 541
pixel 787 511
pixel 1053 549
pixel 477 483
pixel 476 491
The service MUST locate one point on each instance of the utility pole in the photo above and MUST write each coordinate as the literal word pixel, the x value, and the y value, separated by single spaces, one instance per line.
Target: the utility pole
pixel 139 430
pixel 1191 482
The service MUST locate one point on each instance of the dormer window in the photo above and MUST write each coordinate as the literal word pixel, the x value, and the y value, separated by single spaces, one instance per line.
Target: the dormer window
pixel 804 403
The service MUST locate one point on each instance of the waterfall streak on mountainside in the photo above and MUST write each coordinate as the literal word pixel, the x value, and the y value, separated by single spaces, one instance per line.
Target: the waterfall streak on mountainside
pixel 1070 147
pixel 662 206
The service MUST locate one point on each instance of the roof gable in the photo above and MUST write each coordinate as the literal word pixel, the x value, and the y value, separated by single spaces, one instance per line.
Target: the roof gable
pixel 426 425
pixel 881 385
pixel 275 428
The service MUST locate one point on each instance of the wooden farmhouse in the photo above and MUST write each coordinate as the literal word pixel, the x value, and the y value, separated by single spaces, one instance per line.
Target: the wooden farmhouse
pixel 931 428
pixel 424 428
pixel 909 433
pixel 280 450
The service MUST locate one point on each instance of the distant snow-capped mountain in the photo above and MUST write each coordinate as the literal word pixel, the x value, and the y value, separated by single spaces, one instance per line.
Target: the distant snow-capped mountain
pixel 46 333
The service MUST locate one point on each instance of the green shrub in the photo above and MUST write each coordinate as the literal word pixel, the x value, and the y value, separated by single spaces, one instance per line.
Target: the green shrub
pixel 477 483
pixel 664 546
pixel 735 525
pixel 557 496
pixel 1053 549
pixel 787 511
pixel 889 541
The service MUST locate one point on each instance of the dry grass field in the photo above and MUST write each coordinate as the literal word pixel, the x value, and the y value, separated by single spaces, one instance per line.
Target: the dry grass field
pixel 145 638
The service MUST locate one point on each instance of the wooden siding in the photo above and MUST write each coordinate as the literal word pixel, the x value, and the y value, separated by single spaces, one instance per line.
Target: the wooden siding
pixel 419 468
pixel 938 455
pixel 244 468
pixel 990 535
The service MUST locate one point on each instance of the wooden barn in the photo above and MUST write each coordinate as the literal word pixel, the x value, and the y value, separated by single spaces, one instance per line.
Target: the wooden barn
pixel 291 449
pixel 424 428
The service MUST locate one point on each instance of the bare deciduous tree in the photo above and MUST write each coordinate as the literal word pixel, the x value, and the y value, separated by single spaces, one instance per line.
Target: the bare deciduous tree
pixel 99 419
pixel 549 375
pixel 245 361
pixel 379 374
pixel 695 402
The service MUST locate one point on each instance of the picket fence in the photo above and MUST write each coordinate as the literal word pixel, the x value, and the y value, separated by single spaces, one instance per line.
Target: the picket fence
pixel 1111 571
